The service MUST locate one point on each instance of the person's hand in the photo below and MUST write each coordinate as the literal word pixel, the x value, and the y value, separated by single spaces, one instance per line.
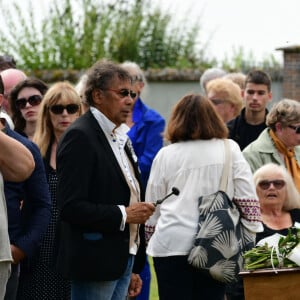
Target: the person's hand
pixel 17 254
pixel 139 213
pixel 135 285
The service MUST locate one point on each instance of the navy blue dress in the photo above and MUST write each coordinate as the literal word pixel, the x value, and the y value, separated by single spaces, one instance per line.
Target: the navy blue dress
pixel 39 280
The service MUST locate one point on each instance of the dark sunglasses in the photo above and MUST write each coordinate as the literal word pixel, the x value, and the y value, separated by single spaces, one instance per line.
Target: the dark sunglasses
pixel 33 100
pixel 124 92
pixel 265 184
pixel 296 128
pixel 58 109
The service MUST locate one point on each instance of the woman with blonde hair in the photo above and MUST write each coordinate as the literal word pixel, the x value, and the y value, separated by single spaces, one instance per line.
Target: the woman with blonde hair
pixel 226 97
pixel 39 279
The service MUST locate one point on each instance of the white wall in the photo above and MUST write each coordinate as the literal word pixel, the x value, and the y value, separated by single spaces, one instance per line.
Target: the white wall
pixel 162 96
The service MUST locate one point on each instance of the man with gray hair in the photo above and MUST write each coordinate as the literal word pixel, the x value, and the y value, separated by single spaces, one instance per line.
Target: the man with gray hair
pixel 146 134
pixel 210 74
pixel 100 197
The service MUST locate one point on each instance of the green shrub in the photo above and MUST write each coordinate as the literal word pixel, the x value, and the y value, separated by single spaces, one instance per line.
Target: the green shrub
pixel 73 34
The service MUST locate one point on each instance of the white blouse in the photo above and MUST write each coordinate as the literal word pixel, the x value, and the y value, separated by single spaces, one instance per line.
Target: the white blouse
pixel 195 168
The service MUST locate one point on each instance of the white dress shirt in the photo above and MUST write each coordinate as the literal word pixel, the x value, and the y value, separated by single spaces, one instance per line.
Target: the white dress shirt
pixel 117 138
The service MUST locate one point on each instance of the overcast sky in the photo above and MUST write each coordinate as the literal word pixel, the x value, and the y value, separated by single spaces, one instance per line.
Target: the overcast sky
pixel 259 26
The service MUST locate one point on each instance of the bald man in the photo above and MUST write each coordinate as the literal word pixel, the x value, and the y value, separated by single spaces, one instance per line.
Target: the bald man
pixel 10 78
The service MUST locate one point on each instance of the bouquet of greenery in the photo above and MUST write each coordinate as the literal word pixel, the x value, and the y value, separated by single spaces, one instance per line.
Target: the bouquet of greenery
pixel 283 255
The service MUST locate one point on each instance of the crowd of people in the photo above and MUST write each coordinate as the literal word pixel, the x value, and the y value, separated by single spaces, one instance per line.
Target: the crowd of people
pixel 82 166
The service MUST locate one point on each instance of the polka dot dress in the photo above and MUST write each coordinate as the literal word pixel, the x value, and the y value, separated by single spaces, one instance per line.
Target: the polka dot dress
pixel 38 278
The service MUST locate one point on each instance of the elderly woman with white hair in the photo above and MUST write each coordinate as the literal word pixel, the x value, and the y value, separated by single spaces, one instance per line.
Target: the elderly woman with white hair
pixel 279 200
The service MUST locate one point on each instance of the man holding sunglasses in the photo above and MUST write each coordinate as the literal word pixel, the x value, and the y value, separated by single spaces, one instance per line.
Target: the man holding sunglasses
pixel 279 142
pixel 101 246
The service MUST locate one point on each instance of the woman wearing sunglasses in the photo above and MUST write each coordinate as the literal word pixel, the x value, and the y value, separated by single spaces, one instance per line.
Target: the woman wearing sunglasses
pixel 279 200
pixel 25 99
pixel 279 204
pixel 60 107
pixel 279 142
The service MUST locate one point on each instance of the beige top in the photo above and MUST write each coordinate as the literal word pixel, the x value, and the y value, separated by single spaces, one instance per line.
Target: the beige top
pixel 5 252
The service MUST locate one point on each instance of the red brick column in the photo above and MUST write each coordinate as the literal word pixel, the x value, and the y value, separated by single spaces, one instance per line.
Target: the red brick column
pixel 291 72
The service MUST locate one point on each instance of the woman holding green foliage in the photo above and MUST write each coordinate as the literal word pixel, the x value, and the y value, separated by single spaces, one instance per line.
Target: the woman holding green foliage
pixel 280 210
pixel 279 200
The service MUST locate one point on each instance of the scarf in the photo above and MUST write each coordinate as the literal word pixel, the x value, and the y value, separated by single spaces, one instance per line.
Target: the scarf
pixel 289 158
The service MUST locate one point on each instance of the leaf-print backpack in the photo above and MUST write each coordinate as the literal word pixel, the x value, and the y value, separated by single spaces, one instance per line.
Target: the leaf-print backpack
pixel 221 238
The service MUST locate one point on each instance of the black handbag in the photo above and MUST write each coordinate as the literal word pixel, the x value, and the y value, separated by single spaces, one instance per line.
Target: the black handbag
pixel 221 237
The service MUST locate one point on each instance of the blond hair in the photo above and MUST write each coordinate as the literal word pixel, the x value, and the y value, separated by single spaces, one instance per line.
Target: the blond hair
pixel 231 92
pixel 60 91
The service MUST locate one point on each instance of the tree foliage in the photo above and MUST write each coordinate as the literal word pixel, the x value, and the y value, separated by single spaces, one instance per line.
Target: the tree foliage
pixel 73 34
pixel 243 61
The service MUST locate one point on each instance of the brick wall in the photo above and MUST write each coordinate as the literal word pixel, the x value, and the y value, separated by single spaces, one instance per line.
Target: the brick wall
pixel 291 72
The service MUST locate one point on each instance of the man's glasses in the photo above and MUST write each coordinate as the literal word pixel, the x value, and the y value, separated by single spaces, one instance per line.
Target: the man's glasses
pixel 33 100
pixel 123 92
pixel 296 128
pixel 265 184
pixel 58 109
